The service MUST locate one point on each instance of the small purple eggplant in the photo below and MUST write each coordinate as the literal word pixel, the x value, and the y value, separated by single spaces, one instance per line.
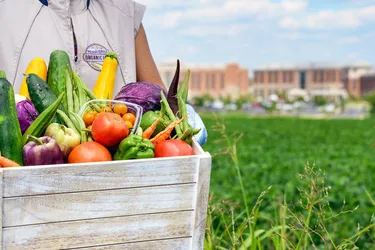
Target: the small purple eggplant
pixel 42 151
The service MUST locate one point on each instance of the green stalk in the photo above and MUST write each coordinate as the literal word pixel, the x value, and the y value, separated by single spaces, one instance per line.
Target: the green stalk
pixel 170 114
pixel 69 92
pixel 184 87
pixel 303 238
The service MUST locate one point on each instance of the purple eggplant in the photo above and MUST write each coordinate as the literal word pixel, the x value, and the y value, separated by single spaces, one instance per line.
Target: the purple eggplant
pixel 26 112
pixel 42 151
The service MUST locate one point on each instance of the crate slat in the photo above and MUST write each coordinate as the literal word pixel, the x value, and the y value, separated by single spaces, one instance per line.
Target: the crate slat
pixel 99 232
pixel 170 244
pixel 202 196
pixel 98 204
pixel 99 176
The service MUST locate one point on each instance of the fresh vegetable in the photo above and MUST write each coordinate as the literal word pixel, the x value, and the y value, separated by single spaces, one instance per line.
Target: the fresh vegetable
pixel 26 113
pixel 134 147
pixel 89 117
pixel 37 66
pixel 150 117
pixel 6 163
pixel 165 134
pixel 10 131
pixel 2 74
pixel 56 75
pixel 89 152
pixel 109 129
pixel 145 94
pixel 84 93
pixel 80 125
pixel 42 151
pixel 130 117
pixel 148 132
pixel 42 96
pixel 44 119
pixel 69 91
pixel 120 109
pixel 171 97
pixel 105 83
pixel 106 109
pixel 170 148
pixel 66 138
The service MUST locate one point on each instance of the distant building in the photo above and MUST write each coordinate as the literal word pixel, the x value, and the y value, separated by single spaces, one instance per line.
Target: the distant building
pixel 215 80
pixel 358 81
pixel 312 79
pixel 367 84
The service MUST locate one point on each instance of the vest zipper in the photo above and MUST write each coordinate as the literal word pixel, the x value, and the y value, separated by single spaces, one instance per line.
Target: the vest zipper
pixel 75 43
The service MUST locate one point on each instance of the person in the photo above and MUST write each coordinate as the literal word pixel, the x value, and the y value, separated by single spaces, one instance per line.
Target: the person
pixel 86 30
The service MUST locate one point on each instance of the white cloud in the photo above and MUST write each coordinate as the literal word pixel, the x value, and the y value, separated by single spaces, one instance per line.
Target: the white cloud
pixel 351 18
pixel 215 30
pixel 231 10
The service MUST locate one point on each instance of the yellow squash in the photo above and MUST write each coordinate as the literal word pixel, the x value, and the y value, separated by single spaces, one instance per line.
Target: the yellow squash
pixel 105 84
pixel 37 66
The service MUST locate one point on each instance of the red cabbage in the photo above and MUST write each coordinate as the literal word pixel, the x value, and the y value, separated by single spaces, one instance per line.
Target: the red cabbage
pixel 145 94
pixel 26 113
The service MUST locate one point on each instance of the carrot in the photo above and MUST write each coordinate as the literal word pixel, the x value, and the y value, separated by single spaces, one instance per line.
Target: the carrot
pixel 148 132
pixel 6 163
pixel 166 133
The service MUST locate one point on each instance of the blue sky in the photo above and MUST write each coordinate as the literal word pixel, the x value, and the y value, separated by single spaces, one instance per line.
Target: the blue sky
pixel 260 32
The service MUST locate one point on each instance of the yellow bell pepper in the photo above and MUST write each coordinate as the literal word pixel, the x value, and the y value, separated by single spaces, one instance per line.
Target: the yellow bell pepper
pixel 105 83
pixel 37 66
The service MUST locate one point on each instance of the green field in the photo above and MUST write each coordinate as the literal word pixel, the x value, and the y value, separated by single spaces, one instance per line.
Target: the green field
pixel 273 151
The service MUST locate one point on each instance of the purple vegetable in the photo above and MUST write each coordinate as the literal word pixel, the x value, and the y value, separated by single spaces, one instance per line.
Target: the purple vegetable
pixel 42 151
pixel 26 113
pixel 145 94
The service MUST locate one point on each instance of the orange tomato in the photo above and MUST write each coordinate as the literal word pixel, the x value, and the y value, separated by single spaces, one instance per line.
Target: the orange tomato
pixel 89 117
pixel 120 108
pixel 129 117
pixel 89 152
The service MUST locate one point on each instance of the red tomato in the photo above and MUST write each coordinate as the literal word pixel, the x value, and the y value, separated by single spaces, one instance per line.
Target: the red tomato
pixel 109 129
pixel 89 152
pixel 170 148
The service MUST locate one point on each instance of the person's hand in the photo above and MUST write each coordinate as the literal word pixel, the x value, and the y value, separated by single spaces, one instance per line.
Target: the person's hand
pixel 196 122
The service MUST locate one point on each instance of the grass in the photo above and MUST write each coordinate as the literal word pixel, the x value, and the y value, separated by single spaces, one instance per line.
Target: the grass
pixel 296 211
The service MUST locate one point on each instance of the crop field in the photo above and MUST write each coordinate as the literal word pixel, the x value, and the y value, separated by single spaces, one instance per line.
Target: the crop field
pixel 274 151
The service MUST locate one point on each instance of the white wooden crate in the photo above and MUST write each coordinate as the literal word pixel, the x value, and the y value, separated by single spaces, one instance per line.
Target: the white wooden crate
pixel 137 204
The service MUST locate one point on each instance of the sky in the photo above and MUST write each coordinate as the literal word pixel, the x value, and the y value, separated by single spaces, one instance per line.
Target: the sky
pixel 255 33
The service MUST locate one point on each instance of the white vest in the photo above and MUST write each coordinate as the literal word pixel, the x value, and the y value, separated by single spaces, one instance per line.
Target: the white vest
pixel 30 29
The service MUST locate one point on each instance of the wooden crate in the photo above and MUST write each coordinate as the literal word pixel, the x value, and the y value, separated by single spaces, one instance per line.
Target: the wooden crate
pixel 138 204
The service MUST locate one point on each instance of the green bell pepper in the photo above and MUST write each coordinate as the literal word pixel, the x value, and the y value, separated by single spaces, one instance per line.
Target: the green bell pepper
pixel 134 147
pixel 150 117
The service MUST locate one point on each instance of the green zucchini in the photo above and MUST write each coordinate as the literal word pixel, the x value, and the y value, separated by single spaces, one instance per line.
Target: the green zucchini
pixel 10 132
pixel 56 77
pixel 41 123
pixel 42 96
pixel 2 74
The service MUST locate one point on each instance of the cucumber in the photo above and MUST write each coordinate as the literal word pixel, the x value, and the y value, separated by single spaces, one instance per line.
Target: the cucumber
pixel 2 74
pixel 10 131
pixel 56 77
pixel 42 96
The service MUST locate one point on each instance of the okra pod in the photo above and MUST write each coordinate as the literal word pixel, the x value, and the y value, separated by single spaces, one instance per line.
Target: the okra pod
pixel 82 96
pixel 76 102
pixel 69 92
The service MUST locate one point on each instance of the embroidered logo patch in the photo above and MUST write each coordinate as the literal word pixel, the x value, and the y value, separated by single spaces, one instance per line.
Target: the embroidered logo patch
pixel 94 55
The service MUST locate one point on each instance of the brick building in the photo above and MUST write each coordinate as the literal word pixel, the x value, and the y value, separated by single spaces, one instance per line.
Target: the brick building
pixel 215 80
pixel 314 79
pixel 359 82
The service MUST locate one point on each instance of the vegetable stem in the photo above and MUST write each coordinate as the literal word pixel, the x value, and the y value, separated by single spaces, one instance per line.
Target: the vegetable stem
pixel 170 114
pixel 34 139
